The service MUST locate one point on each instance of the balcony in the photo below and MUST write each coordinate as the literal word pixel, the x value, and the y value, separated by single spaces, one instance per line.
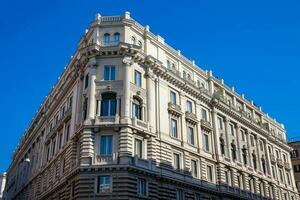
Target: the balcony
pixel 191 117
pixel 206 125
pixel 287 166
pixel 140 123
pixel 272 159
pixel 174 109
pixel 279 162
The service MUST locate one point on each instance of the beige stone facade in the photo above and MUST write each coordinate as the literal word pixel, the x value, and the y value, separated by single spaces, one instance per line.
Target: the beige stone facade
pixel 131 118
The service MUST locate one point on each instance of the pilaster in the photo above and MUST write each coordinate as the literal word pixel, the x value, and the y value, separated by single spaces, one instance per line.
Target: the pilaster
pixel 86 147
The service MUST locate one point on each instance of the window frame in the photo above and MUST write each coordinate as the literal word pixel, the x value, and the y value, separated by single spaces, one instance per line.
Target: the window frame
pixel 107 152
pixel 138 78
pixel 108 185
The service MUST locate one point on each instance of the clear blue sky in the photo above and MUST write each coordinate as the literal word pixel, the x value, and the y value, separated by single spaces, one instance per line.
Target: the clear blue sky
pixel 253 45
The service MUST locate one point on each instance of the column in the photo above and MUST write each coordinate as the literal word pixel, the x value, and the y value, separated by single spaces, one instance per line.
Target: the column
pixel 126 89
pixel 227 146
pixel 249 161
pixel 238 148
pixel 216 133
pixel 86 147
pixel 268 161
pixel 92 98
pixel 258 156
pixel 125 145
pixel 150 99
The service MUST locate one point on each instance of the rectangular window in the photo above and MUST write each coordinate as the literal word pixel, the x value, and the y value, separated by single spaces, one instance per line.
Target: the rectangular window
pixel 252 140
pixel 106 145
pixel 190 136
pixel 179 194
pixel 194 168
pixel 53 147
pixel 204 114
pixel 294 153
pixel 70 101
pixel 176 161
pixel 138 148
pixel 242 135
pixel 209 173
pixel 231 129
pixel 205 142
pixel 86 83
pixel 142 187
pixel 220 123
pixel 174 128
pixel 67 132
pixel 261 145
pixel 109 73
pixel 173 97
pixel 104 184
pixel 281 175
pixel 108 105
pixel 226 177
pixel 138 78
pixel 288 178
pixel 273 172
pixel 189 106
pixel 136 109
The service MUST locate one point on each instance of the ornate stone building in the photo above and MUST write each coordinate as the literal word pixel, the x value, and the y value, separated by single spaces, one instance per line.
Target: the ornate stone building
pixel 2 184
pixel 296 161
pixel 131 118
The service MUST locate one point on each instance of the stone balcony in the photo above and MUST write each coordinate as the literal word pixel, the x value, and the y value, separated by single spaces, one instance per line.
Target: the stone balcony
pixel 191 117
pixel 272 159
pixel 206 125
pixel 280 162
pixel 140 123
pixel 287 166
pixel 174 109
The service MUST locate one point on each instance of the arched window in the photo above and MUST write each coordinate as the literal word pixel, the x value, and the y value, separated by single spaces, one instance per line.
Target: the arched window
pixel 137 108
pixel 133 41
pixel 108 104
pixel 140 43
pixel 222 146
pixel 233 151
pixel 106 39
pixel 116 38
pixel 184 74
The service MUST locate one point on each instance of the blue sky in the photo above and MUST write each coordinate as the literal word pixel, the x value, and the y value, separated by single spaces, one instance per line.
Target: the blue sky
pixel 253 45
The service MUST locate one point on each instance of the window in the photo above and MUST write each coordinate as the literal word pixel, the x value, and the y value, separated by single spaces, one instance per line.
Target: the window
pixel 116 38
pixel 204 114
pixel 296 168
pixel 294 153
pixel 209 173
pixel 222 146
pixel 233 151
pixel 176 161
pixel 220 123
pixel 254 161
pixel 60 140
pixel 173 97
pixel 273 172
pixel 168 64
pixel 189 106
pixel 67 132
pixel 179 194
pixel 106 39
pixel 190 136
pixel 261 145
pixel 133 41
pixel 205 142
pixel 104 184
pixel 226 174
pixel 231 129
pixel 281 175
pixel 277 154
pixel 85 107
pixel 138 78
pixel 194 168
pixel 136 109
pixel 109 73
pixel 174 128
pixel 263 164
pixel 252 140
pixel 86 82
pixel 288 178
pixel 53 147
pixel 138 148
pixel 106 145
pixel 108 104
pixel 142 187
pixel 242 135
pixel 244 152
pixel 70 101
